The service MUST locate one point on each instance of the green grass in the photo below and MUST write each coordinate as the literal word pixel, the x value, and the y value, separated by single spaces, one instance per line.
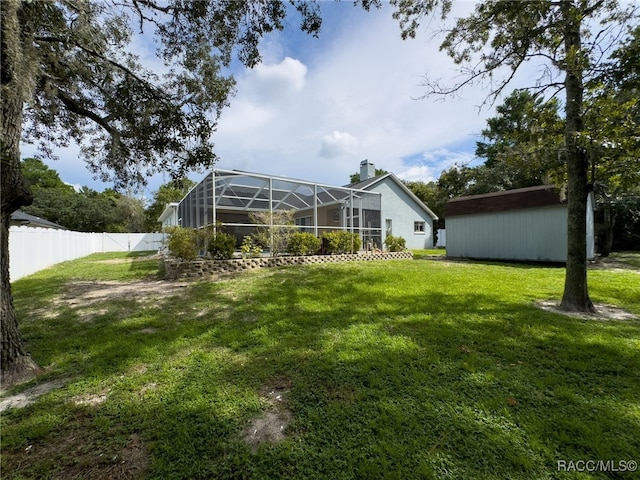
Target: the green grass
pixel 631 259
pixel 423 254
pixel 406 369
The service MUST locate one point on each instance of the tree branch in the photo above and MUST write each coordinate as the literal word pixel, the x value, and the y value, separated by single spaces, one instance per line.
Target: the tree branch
pixel 586 13
pixel 152 6
pixel 75 107
pixel 115 64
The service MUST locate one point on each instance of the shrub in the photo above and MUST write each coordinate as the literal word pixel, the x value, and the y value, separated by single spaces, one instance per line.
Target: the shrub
pixel 222 246
pixel 182 242
pixel 249 249
pixel 273 229
pixel 303 243
pixel 395 244
pixel 341 241
pixel 204 236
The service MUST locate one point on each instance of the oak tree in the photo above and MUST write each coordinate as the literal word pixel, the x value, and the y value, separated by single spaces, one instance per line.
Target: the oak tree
pixel 570 39
pixel 66 73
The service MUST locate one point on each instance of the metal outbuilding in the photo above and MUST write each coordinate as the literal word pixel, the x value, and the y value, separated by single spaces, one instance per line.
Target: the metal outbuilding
pixel 526 224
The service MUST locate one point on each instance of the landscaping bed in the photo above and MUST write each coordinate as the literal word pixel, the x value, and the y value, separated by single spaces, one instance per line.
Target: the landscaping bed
pixel 176 268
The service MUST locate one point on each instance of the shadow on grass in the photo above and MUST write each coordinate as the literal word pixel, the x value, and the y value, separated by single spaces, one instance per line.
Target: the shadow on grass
pixel 388 380
pixel 146 264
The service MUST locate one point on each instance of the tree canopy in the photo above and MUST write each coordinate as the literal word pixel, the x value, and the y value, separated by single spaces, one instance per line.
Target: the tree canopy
pixel 83 84
pixel 172 191
pixel 521 145
pixel 85 210
pixel 38 175
pixel 569 39
pixel 65 73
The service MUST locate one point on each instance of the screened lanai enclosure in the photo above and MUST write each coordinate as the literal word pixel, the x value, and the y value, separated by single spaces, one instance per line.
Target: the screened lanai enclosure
pixel 228 197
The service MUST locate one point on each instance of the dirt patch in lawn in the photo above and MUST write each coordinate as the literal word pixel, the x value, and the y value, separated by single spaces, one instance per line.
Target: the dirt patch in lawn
pixel 272 426
pixel 117 261
pixel 77 454
pixel 91 299
pixel 604 312
pixel 91 399
pixel 618 263
pixel 30 395
pixel 89 293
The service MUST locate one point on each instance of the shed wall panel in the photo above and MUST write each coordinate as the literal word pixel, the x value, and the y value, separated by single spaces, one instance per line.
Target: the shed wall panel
pixel 537 234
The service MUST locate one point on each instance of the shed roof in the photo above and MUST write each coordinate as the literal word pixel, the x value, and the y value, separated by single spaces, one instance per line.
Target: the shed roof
pixel 520 198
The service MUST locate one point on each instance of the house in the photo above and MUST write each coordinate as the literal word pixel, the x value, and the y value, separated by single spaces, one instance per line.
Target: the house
pixel 528 224
pixel 404 215
pixel 19 218
pixel 169 216
pixel 228 197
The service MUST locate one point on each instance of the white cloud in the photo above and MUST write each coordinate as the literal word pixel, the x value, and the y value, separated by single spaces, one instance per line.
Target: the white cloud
pixel 316 107
pixel 433 163
pixel 245 117
pixel 446 158
pixel 421 173
pixel 337 144
pixel 276 80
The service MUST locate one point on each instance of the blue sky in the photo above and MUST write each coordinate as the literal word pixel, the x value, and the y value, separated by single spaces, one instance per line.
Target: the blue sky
pixel 315 107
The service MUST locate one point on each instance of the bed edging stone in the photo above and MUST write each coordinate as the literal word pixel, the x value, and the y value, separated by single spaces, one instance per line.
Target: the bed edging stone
pixel 175 268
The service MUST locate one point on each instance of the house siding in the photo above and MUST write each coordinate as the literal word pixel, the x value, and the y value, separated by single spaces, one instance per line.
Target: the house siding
pixel 403 211
pixel 169 217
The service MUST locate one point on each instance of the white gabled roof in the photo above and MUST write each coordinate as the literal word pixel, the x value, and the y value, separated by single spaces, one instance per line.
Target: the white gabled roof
pixel 369 183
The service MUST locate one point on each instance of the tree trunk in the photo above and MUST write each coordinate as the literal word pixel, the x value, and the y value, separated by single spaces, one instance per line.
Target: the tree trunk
pixel 607 236
pixel 576 295
pixel 16 364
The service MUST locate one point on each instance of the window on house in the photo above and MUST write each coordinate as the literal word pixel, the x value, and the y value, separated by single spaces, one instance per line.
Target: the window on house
pixel 305 224
pixel 388 229
pixel 418 227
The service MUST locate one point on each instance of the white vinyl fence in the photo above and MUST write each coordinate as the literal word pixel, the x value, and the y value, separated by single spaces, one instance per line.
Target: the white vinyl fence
pixel 33 249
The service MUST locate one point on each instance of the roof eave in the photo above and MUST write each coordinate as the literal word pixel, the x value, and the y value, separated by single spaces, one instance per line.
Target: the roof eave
pixel 406 189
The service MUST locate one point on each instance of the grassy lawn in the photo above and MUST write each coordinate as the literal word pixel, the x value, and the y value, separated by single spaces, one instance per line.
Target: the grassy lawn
pixel 424 254
pixel 407 369
pixel 630 259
